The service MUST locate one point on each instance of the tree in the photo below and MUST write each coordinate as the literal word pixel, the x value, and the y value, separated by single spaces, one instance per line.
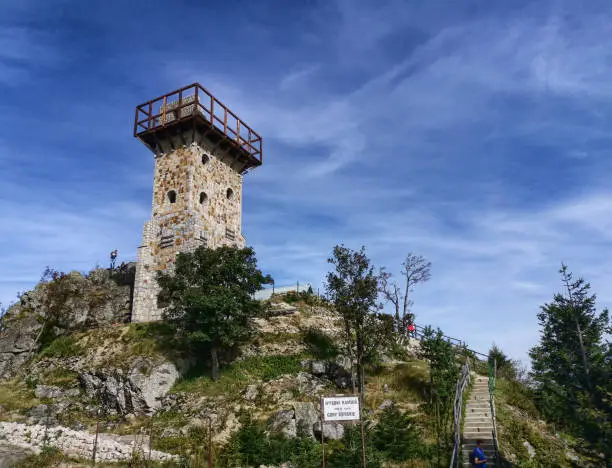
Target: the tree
pixel 353 289
pixel 210 296
pixel 505 367
pixel 572 363
pixel 443 376
pixel 415 269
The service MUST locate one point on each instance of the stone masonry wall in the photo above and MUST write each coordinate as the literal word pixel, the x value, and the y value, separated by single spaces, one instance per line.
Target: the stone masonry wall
pixel 207 209
pixel 74 443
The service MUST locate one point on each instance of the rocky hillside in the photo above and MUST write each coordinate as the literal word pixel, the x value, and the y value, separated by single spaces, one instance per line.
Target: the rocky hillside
pixel 70 363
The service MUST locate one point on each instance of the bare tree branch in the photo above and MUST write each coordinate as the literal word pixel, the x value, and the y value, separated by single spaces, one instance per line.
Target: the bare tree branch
pixel 416 270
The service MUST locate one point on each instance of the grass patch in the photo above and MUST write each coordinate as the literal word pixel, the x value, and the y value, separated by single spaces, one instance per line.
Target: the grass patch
pixel 146 339
pixel 16 396
pixel 60 377
pixel 518 423
pixel 64 346
pixel 406 382
pixel 239 374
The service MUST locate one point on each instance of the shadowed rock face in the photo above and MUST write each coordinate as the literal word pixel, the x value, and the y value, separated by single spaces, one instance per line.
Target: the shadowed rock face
pixel 72 302
pixel 140 391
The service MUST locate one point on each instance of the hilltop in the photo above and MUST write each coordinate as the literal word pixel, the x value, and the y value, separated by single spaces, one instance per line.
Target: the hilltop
pixel 70 364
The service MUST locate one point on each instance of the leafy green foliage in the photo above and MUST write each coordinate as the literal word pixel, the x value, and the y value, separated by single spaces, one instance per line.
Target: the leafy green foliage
pixel 443 375
pixel 397 437
pixel 572 364
pixel 350 453
pixel 252 446
pixel 506 367
pixel 210 296
pixel 353 289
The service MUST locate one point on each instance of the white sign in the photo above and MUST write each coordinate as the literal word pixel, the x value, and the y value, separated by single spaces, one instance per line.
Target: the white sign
pixel 341 408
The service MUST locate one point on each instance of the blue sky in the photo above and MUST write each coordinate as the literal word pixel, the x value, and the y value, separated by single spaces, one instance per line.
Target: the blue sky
pixel 474 133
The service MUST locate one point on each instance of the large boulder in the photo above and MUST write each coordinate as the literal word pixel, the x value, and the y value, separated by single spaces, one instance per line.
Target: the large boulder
pixel 305 417
pixel 331 430
pixel 140 391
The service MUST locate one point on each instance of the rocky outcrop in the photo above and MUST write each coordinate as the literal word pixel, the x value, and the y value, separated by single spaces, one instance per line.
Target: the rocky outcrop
pixel 64 304
pixel 338 371
pixel 140 390
pixel 75 443
pixel 304 420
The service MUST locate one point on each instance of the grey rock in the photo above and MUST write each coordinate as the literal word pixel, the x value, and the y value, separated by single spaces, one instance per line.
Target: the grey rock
pixel 251 393
pixel 318 367
pixel 530 450
pixel 386 404
pixel 309 385
pixel 140 391
pixel 48 391
pixel 283 421
pixel 92 301
pixel 331 431
pixel 305 416
pixel 150 384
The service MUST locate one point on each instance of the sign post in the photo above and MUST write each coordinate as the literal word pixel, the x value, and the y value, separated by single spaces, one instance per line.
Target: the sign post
pixel 341 409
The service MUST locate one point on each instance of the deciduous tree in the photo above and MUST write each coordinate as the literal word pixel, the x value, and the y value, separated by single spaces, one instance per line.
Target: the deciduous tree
pixel 210 296
pixel 353 289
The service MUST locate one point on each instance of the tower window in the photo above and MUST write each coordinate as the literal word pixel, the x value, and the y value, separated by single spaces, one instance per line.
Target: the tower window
pixel 205 159
pixel 230 194
pixel 203 198
pixel 172 196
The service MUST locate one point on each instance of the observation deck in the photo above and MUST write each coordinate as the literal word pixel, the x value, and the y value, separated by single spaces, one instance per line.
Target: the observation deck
pixel 192 112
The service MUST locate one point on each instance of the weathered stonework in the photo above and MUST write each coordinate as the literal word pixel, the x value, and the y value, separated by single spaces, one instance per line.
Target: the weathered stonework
pixel 197 199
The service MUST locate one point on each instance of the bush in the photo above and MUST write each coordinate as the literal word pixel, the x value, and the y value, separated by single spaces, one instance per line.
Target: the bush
pixel 252 446
pixel 320 345
pixel 397 437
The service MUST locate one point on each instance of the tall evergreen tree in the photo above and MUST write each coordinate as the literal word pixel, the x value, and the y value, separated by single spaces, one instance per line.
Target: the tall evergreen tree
pixel 572 363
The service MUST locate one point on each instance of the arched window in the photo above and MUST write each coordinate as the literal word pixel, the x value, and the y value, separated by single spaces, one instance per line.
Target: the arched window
pixel 203 198
pixel 230 194
pixel 171 196
pixel 205 159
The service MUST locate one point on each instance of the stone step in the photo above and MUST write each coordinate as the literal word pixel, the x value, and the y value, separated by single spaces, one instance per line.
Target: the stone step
pixel 478 427
pixel 481 421
pixel 475 435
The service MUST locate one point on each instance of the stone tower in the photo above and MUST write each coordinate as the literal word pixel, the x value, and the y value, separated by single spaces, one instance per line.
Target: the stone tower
pixel 201 150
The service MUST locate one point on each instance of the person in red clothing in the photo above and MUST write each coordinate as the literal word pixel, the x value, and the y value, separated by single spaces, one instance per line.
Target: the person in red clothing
pixel 411 327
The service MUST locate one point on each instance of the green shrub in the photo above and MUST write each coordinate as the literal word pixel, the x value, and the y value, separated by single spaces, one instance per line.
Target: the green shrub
pixel 397 436
pixel 320 345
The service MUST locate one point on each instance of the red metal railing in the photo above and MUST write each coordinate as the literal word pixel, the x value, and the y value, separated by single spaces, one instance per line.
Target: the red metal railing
pixel 194 100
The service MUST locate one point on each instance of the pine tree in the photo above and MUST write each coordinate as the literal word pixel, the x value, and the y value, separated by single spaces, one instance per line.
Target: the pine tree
pixel 571 365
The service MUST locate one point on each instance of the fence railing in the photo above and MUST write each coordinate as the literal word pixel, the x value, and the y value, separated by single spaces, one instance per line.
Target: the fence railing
pixel 462 383
pixel 195 100
pixel 492 378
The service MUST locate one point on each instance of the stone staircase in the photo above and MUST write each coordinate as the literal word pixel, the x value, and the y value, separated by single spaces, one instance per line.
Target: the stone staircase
pixel 477 423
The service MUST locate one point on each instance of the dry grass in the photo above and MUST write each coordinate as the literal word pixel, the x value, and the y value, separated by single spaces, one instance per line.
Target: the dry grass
pixel 406 383
pixel 16 396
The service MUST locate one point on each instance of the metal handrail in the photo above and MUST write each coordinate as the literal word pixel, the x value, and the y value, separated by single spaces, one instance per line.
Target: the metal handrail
pixel 492 378
pixel 192 100
pixel 462 383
